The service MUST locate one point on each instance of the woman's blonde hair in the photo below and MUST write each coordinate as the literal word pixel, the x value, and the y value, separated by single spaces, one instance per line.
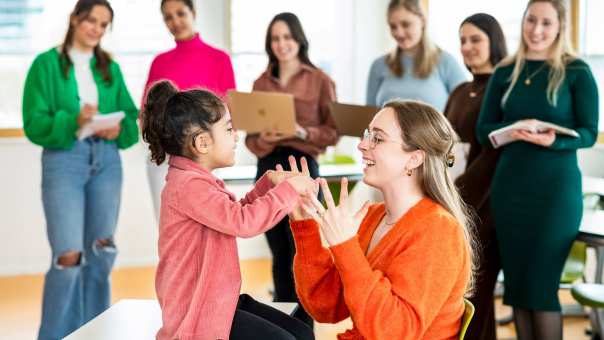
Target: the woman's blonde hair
pixel 561 54
pixel 424 128
pixel 428 54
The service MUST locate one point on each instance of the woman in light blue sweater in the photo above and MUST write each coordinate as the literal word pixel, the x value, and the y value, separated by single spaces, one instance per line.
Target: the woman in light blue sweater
pixel 416 69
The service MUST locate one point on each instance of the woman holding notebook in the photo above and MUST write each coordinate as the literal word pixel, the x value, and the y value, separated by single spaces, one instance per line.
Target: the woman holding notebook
pixel 65 88
pixel 536 195
pixel 291 71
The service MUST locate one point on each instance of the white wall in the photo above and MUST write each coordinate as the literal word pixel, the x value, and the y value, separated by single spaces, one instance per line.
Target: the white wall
pixel 23 244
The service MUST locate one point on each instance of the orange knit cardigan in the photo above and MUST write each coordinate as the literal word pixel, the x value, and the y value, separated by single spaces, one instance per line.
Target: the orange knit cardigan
pixel 410 286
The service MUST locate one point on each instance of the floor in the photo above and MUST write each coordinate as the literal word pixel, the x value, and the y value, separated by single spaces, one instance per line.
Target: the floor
pixel 20 301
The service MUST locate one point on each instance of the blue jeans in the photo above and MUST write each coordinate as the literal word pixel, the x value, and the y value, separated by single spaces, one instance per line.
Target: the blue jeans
pixel 81 190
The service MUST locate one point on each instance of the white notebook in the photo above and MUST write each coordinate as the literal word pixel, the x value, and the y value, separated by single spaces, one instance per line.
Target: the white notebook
pixel 100 122
pixel 502 136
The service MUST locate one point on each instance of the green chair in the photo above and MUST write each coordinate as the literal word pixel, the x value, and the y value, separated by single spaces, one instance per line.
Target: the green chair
pixel 468 314
pixel 591 295
pixel 574 265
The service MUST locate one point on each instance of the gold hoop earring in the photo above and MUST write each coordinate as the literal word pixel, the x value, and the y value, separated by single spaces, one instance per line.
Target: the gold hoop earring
pixel 409 172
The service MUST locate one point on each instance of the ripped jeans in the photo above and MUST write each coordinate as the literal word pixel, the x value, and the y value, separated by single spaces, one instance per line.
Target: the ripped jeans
pixel 81 190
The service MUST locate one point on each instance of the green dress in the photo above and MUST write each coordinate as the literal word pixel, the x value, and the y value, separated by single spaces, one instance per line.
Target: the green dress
pixel 536 195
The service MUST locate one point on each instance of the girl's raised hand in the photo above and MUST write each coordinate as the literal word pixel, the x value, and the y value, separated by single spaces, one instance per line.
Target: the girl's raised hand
pixel 338 223
pixel 298 212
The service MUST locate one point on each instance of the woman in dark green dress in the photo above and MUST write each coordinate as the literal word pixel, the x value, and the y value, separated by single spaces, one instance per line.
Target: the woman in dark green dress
pixel 536 195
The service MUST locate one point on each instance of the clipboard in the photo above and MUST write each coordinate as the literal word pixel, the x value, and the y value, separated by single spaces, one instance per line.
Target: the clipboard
pixel 352 120
pixel 100 122
pixel 257 111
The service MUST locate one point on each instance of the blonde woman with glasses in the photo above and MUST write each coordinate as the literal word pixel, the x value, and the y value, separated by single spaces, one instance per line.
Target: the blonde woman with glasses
pixel 404 273
pixel 536 196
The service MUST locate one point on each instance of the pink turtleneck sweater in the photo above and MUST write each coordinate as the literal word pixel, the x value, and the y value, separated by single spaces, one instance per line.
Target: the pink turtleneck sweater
pixel 193 63
pixel 198 278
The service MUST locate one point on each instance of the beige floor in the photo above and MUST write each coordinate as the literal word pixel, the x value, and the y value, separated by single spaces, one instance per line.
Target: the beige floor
pixel 20 301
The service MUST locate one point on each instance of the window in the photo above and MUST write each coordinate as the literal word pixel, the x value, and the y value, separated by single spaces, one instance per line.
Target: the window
pixel 28 27
pixel 591 47
pixel 445 18
pixel 328 28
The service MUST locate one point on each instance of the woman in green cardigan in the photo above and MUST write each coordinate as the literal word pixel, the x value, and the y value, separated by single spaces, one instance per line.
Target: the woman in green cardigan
pixel 536 195
pixel 81 179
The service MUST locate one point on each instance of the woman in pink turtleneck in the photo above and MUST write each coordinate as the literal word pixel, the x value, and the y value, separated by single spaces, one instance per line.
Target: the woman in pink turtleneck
pixel 192 63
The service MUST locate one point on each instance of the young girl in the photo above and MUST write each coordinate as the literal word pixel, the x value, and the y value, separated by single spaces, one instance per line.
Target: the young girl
pixel 404 274
pixel 198 278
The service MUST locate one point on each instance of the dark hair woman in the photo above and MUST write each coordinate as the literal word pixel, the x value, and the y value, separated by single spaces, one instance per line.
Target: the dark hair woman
pixel 66 87
pixel 290 71
pixel 482 46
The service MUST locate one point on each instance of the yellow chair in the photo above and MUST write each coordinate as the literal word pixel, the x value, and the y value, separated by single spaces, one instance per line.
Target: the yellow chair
pixel 468 314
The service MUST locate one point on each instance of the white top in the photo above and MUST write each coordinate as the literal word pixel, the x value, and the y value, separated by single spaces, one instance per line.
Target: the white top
pixel 87 90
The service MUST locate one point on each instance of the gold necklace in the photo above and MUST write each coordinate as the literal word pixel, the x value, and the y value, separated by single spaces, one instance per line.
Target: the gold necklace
pixel 527 81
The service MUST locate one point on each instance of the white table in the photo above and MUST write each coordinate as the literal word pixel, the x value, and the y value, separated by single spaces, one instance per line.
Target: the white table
pixel 593 185
pixel 331 172
pixel 135 319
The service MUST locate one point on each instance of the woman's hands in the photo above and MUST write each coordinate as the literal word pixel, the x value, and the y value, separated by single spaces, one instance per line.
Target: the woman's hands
pixel 545 138
pixel 337 223
pixel 271 136
pixel 86 114
pixel 110 134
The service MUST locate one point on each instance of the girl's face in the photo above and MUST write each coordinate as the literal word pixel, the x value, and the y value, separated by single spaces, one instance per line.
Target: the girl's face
pixel 383 155
pixel 221 149
pixel 87 33
pixel 540 28
pixel 475 47
pixel 406 28
pixel 283 44
pixel 179 19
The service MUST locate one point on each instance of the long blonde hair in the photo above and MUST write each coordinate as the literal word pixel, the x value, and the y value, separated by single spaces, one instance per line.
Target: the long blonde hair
pixel 424 128
pixel 428 54
pixel 561 54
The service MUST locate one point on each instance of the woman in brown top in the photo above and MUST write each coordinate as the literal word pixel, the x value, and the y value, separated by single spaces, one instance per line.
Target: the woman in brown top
pixel 482 46
pixel 290 71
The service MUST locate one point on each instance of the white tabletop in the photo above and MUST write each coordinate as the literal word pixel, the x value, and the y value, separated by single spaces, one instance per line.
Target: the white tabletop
pixel 135 319
pixel 593 222
pixel 593 185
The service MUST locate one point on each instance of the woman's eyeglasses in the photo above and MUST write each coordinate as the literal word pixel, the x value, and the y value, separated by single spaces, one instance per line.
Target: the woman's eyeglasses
pixel 374 140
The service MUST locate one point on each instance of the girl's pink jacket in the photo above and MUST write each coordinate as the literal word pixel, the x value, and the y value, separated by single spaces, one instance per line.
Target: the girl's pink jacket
pixel 198 277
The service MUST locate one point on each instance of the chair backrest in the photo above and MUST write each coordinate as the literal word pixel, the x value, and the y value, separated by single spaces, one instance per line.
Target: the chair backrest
pixel 575 263
pixel 466 318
